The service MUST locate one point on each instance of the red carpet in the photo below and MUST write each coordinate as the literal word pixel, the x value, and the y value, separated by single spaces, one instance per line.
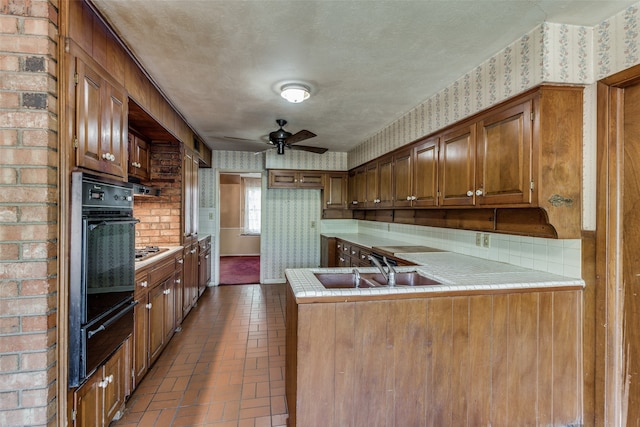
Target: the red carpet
pixel 239 270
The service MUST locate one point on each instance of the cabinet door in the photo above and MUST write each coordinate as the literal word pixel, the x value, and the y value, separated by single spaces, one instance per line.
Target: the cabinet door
pixel 101 120
pixel 88 402
pixel 504 157
pixel 310 179
pixel 179 291
pixel 156 322
pixel 371 185
pixel 114 383
pixel 358 188
pixel 425 176
pixel 335 191
pixel 403 178
pixel 283 179
pixel 140 340
pixel 169 308
pixel 385 182
pixel 138 157
pixel 457 167
pixel 204 270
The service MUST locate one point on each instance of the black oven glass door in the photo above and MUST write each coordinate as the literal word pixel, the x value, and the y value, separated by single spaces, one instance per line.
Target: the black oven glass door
pixel 109 264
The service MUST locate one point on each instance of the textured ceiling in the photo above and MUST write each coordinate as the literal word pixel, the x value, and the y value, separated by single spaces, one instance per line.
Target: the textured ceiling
pixel 368 62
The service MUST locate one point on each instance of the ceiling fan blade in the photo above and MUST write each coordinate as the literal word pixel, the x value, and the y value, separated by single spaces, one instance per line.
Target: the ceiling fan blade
pixel 299 136
pixel 316 150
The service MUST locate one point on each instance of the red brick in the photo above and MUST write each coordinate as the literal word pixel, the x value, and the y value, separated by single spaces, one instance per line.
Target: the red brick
pixel 38 176
pixel 22 270
pixel 38 214
pixel 8 24
pixel 9 62
pixel 37 27
pixel 8 289
pixel 28 416
pixel 34 324
pixel 9 400
pixel 19 343
pixel 27 195
pixel 27 232
pixel 32 82
pixel 30 119
pixel 8 176
pixel 8 137
pixel 39 138
pixel 34 361
pixel 39 397
pixel 7 213
pixel 34 287
pixel 10 100
pixel 23 307
pixel 9 362
pixel 21 44
pixel 9 325
pixel 24 156
pixel 38 250
pixel 9 251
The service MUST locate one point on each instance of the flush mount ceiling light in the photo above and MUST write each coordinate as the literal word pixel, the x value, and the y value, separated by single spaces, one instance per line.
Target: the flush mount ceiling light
pixel 294 92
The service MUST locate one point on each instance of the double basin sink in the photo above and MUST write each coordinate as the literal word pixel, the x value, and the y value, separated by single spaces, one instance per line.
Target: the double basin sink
pixel 371 280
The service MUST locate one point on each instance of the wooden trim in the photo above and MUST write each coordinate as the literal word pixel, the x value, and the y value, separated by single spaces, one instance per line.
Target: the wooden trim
pixel 609 301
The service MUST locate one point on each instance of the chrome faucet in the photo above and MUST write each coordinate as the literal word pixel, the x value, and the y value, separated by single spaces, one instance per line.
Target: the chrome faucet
pixel 356 278
pixel 390 274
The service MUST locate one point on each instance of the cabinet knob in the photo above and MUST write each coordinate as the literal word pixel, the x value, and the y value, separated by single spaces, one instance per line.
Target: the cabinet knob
pixel 469 193
pixel 363 257
pixel 192 251
pixel 409 198
pixel 479 192
pixel 355 202
pixel 166 291
pixel 177 281
pixel 109 379
pixel 180 261
pixel 353 252
pixel 144 284
pixel 341 259
pixel 148 306
pixel 414 198
pixel 103 384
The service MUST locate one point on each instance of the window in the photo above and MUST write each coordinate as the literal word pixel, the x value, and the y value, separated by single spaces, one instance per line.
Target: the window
pixel 252 199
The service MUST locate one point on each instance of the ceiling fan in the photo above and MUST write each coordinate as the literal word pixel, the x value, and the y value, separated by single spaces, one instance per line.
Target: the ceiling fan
pixel 281 139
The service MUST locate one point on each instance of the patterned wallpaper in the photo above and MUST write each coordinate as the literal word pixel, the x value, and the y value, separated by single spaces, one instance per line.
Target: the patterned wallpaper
pixel 553 53
pixel 288 239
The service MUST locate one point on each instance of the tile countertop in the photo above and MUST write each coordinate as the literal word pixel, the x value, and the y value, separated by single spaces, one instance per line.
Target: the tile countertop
pixel 458 274
pixel 148 261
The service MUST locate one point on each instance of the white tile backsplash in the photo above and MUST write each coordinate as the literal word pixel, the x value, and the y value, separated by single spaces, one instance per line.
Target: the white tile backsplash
pixel 557 256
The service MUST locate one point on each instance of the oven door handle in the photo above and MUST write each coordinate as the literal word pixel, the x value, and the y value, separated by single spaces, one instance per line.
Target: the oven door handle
pixel 108 323
pixel 116 222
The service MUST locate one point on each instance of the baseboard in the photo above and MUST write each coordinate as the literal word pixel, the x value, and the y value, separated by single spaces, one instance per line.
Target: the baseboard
pixel 274 281
pixel 221 256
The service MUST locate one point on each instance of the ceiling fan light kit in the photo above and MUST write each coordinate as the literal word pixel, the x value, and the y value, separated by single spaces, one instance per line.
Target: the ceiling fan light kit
pixel 295 92
pixel 281 139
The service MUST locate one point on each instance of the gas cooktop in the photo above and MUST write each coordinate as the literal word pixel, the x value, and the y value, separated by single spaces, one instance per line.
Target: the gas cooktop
pixel 147 252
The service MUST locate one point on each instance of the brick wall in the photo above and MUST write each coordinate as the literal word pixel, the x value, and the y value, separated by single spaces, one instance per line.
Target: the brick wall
pixel 28 211
pixel 160 216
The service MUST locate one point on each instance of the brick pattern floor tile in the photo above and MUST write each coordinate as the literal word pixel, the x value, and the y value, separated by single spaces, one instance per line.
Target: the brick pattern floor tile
pixel 225 368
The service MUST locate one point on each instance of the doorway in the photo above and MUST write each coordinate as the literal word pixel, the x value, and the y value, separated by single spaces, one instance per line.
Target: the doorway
pixel 618 248
pixel 240 195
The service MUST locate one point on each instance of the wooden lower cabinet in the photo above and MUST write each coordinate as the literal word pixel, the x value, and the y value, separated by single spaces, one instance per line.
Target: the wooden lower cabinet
pixel 140 348
pixel 101 398
pixel 510 359
pixel 204 264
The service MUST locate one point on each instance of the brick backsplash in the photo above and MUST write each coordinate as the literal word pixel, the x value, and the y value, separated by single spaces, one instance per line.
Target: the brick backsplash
pixel 28 212
pixel 159 217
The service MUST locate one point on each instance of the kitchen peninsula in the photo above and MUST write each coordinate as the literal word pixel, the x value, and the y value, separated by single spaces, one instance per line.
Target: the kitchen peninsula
pixel 491 344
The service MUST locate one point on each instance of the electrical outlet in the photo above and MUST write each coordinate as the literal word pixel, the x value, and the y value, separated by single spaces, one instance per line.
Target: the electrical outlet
pixel 486 240
pixel 478 239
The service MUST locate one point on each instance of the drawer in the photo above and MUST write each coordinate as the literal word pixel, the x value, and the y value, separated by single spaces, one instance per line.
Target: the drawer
pixel 162 271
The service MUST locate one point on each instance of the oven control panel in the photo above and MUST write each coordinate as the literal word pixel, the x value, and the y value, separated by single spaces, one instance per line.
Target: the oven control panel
pixel 97 194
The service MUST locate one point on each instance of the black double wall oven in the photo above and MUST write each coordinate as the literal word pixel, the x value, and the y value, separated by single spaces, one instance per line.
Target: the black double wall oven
pixel 102 272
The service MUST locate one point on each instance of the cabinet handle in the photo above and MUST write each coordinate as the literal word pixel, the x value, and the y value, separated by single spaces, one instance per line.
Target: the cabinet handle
pixel 144 284
pixel 469 193
pixel 148 305
pixel 479 192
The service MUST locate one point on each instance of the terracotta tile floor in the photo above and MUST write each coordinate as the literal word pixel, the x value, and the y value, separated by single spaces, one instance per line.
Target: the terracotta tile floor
pixel 226 367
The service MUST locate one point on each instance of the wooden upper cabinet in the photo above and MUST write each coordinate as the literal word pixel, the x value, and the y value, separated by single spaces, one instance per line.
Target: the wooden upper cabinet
pixel 335 190
pixel 295 179
pixel 403 178
pixel 457 166
pixel 190 195
pixel 504 160
pixel 101 122
pixel 371 185
pixel 138 164
pixel 357 188
pixel 425 176
pixel 385 195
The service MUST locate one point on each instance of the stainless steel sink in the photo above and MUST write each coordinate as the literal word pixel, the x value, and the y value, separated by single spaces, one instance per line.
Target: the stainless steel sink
pixel 372 280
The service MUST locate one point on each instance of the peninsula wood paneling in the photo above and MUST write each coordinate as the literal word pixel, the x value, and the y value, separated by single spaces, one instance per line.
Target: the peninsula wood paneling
pixel 507 359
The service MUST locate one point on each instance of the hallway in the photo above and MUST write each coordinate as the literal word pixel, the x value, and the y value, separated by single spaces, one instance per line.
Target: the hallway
pixel 226 367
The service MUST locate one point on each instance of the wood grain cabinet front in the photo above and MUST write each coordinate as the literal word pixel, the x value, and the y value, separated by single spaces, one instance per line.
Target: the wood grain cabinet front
pixel 138 164
pixel 101 122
